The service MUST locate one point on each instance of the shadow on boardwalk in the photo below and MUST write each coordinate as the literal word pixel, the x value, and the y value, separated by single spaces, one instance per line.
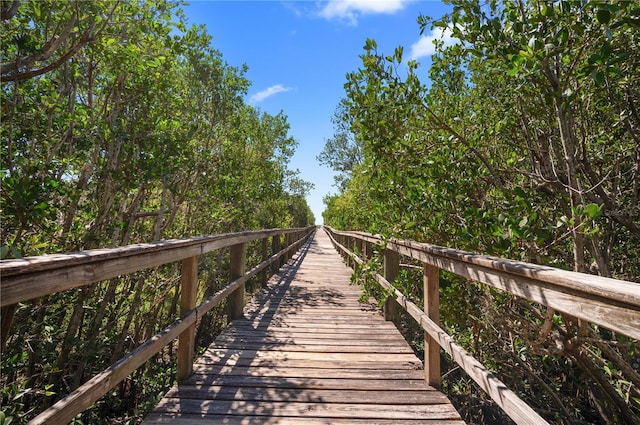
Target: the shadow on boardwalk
pixel 306 352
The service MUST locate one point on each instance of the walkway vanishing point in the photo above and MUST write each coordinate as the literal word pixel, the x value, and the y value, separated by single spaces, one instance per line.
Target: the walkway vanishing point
pixel 307 352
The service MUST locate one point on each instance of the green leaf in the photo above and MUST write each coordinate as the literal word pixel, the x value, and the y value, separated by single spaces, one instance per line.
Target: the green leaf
pixel 47 390
pixel 632 22
pixel 593 211
pixel 370 44
pixel 604 16
pixel 41 245
pixel 4 420
pixel 598 77
pixel 526 54
pixel 15 252
pixel 398 53
pixel 520 192
pixel 21 394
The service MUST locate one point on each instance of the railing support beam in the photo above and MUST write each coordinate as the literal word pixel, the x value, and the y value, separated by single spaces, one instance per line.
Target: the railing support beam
pixel 283 258
pixel 235 300
pixel 186 341
pixel 431 284
pixel 275 247
pixel 264 276
pixel 391 267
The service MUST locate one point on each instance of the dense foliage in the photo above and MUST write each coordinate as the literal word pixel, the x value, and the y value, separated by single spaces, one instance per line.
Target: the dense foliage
pixel 522 140
pixel 120 125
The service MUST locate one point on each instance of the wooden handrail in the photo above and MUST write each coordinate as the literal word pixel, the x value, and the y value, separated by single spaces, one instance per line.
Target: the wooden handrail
pixel 33 277
pixel 614 304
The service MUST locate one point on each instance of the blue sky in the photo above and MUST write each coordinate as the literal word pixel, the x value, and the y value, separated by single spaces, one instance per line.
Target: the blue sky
pixel 298 54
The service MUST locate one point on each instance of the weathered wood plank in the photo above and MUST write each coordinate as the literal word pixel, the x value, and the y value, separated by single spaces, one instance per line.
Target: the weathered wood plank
pixel 391 364
pixel 370 384
pixel 267 341
pixel 310 338
pixel 344 372
pixel 377 334
pixel 222 354
pixel 201 419
pixel 199 392
pixel 335 346
pixel 302 326
pixel 319 410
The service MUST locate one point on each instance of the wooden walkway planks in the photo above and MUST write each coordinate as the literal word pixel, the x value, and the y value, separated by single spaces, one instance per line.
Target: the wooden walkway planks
pixel 307 352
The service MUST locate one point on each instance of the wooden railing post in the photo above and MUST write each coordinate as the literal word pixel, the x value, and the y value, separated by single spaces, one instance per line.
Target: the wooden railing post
pixel 353 242
pixel 431 284
pixel 264 276
pixel 275 247
pixel 344 241
pixel 186 341
pixel 7 319
pixel 391 266
pixel 282 239
pixel 284 244
pixel 235 300
pixel 359 244
pixel 287 244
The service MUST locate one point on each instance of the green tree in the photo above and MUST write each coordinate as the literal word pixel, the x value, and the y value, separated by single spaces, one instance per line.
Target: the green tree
pixel 342 153
pixel 522 146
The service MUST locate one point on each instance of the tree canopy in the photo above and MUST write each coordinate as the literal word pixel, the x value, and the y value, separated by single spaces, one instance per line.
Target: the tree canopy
pixel 117 119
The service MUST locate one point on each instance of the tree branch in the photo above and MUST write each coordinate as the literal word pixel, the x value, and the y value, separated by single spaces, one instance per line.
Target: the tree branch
pixel 8 10
pixel 11 71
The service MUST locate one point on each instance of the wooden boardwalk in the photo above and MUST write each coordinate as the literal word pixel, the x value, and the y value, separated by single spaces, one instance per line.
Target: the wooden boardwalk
pixel 307 352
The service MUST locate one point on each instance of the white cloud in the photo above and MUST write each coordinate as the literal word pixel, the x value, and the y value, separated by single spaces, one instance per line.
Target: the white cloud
pixel 425 45
pixel 349 10
pixel 262 95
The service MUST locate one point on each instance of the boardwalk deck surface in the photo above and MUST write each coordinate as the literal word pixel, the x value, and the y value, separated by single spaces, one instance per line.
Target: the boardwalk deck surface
pixel 307 352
